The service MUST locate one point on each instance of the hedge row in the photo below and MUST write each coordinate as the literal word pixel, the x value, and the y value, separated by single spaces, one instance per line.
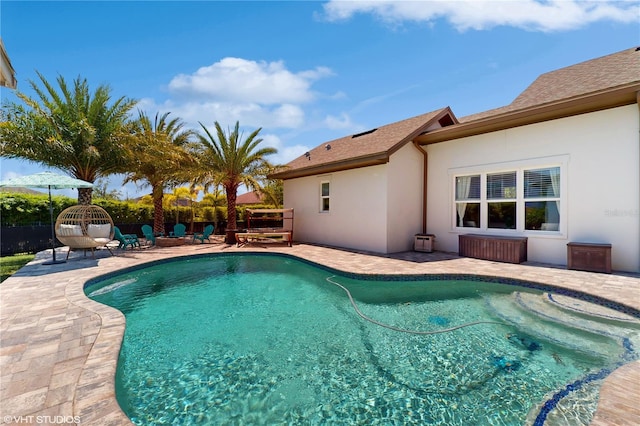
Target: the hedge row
pixel 29 209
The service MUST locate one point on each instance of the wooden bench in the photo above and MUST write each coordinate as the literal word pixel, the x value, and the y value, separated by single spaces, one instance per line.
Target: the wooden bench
pixel 253 236
pixel 493 247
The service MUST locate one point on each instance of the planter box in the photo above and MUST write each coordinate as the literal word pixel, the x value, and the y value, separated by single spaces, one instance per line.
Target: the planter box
pixel 169 242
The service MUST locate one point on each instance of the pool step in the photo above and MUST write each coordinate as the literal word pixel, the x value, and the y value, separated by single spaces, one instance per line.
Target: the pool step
pixel 533 316
pixel 579 314
pixel 587 309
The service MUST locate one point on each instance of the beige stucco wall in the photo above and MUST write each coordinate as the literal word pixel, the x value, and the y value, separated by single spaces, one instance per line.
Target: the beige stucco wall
pixel 375 208
pixel 357 216
pixel 600 156
pixel 404 209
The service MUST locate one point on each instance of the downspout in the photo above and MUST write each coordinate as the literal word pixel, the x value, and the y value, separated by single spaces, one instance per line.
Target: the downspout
pixel 424 186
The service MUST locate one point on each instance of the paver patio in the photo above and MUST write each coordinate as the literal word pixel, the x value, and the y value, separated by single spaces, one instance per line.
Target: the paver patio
pixel 59 349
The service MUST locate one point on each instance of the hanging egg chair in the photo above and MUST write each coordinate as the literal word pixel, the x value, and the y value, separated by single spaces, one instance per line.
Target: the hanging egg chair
pixel 84 226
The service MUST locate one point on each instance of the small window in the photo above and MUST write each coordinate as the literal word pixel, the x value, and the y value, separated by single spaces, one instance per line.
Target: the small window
pixel 324 196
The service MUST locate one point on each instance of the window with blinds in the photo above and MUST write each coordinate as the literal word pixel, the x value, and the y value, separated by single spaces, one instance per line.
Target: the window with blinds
pixel 497 200
pixel 542 199
pixel 468 201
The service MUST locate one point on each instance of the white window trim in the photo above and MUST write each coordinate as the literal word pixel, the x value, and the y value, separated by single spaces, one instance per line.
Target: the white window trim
pixel 519 167
pixel 321 197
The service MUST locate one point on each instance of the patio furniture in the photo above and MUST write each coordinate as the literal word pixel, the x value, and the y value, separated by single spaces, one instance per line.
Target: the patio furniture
pixel 282 233
pixel 149 235
pixel 125 239
pixel 510 249
pixel 204 235
pixel 85 227
pixel 179 230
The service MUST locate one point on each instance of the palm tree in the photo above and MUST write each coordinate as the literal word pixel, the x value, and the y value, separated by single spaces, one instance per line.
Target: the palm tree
pixel 226 160
pixel 72 130
pixel 162 157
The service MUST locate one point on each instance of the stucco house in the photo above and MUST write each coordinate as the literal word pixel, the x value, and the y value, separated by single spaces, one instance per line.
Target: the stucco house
pixel 560 164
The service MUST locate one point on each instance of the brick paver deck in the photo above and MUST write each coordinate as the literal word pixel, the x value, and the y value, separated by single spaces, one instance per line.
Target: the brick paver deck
pixel 59 350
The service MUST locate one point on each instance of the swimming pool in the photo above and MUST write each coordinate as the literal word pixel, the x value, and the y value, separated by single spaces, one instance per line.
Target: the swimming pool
pixel 270 339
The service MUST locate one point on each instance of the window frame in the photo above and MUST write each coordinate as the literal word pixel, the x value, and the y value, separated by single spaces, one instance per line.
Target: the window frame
pixel 519 167
pixel 323 197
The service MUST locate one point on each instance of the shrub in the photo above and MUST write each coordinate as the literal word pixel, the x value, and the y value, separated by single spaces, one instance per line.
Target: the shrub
pixel 27 209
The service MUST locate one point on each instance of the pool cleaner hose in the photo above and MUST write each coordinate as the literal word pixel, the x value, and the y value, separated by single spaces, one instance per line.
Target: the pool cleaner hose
pixel 402 330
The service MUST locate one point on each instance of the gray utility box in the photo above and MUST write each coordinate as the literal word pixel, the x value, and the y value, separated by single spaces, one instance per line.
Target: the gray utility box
pixel 424 242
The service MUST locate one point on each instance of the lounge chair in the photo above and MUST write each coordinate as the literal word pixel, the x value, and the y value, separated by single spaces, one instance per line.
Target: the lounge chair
pixel 204 235
pixel 149 235
pixel 125 239
pixel 178 231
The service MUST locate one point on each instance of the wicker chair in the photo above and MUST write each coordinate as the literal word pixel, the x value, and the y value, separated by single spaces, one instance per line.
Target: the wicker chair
pixel 84 227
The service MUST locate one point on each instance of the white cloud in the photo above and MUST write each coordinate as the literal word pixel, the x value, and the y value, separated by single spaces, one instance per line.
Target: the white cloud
pixel 539 15
pixel 240 80
pixel 226 113
pixel 257 94
pixel 342 122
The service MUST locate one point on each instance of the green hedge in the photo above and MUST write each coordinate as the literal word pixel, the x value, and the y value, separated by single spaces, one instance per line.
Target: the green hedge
pixel 27 209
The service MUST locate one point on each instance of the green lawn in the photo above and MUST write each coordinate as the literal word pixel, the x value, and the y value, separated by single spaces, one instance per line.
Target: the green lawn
pixel 10 264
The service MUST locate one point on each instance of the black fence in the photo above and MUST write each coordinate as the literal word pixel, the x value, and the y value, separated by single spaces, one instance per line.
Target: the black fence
pixel 35 238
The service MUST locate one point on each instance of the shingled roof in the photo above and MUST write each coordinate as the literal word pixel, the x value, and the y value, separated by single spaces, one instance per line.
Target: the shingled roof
pixel 606 82
pixel 597 84
pixel 366 148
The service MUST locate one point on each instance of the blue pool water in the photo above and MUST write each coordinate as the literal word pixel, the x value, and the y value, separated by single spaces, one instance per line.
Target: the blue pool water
pixel 248 339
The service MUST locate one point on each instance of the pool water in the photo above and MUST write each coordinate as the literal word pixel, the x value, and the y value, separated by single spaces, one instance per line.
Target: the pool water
pixel 247 339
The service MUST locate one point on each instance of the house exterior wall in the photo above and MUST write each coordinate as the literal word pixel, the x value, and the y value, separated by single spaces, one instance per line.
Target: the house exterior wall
pixel 599 156
pixel 376 208
pixel 404 207
pixel 358 208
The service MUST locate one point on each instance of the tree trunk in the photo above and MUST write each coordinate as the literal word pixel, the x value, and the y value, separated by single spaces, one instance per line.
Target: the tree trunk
pixel 84 195
pixel 231 213
pixel 158 212
pixel 231 191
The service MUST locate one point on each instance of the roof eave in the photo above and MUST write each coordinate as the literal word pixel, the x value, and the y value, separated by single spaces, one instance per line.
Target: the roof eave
pixel 364 161
pixel 625 95
pixel 352 163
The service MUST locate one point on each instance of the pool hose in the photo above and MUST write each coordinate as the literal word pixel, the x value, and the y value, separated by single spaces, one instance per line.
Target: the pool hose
pixel 403 330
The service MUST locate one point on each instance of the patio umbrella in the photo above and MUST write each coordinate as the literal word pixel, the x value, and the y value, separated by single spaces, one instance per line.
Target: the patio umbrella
pixel 51 181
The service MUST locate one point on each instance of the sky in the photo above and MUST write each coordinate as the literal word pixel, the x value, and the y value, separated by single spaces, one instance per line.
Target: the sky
pixel 305 72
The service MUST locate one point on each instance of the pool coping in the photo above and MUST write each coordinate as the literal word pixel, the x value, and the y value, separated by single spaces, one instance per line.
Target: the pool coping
pixel 44 342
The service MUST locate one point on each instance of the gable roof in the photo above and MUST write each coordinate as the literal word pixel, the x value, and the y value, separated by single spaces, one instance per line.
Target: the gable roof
pixel 364 149
pixel 606 82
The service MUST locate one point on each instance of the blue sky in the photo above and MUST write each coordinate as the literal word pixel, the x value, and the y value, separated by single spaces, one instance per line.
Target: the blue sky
pixel 306 72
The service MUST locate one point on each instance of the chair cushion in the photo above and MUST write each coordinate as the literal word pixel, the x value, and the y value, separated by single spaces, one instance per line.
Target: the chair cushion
pixel 99 231
pixel 70 230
